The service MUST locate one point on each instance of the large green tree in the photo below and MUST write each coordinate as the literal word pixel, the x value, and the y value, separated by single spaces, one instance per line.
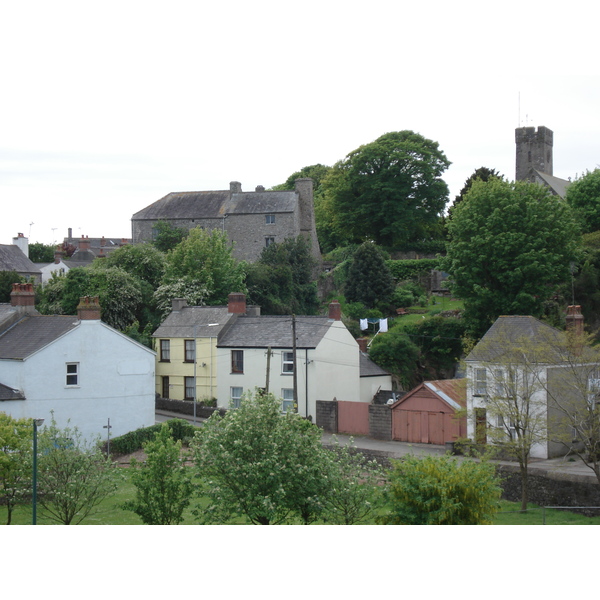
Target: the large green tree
pixel 510 247
pixel 41 253
pixel 257 463
pixel 203 261
pixel 369 279
pixel 389 191
pixel 281 281
pixel 481 174
pixel 584 197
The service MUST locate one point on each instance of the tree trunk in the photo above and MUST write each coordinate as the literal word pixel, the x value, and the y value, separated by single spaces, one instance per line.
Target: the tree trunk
pixel 524 490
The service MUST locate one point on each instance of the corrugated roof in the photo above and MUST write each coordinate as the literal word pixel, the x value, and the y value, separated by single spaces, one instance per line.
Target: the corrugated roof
pixel 34 333
pixel 275 331
pixel 194 321
pixel 453 391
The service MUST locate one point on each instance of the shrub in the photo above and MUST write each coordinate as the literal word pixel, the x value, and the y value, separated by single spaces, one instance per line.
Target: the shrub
pixel 134 440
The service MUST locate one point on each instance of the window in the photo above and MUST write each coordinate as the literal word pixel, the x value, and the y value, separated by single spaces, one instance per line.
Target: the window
pixel 270 219
pixel 165 350
pixel 269 241
pixel 72 374
pixel 237 361
pixel 236 397
pixel 287 395
pixel 287 359
pixel 190 388
pixel 593 390
pixel 190 350
pixel 165 387
pixel 480 386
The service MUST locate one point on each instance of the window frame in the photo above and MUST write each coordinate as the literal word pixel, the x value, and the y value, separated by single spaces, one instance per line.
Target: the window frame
pixel 269 240
pixel 165 350
pixel 71 374
pixel 480 383
pixel 237 362
pixel 287 362
pixel 269 219
pixel 187 350
pixel 165 386
pixel 289 401
pixel 235 399
pixel 189 383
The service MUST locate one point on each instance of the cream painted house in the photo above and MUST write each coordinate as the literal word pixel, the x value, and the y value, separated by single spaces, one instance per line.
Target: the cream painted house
pixel 258 352
pixel 186 348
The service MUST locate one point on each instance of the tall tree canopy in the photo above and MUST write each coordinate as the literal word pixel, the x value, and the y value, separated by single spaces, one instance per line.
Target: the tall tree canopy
pixel 389 191
pixel 482 174
pixel 584 197
pixel 510 247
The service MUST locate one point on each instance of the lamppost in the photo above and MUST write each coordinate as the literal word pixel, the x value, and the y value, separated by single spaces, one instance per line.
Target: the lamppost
pixel 36 423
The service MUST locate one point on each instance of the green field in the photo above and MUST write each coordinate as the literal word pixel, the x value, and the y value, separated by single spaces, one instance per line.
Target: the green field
pixel 110 513
pixel 442 304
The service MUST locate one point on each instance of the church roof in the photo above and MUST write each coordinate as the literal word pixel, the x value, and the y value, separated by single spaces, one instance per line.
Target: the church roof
pixel 557 185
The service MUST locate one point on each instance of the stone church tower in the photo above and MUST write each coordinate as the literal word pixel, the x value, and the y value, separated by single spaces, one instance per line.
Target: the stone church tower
pixel 534 152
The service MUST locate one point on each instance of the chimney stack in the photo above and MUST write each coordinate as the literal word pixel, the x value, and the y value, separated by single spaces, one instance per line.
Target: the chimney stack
pixel 84 243
pixel 335 311
pixel 236 304
pixel 235 187
pixel 23 243
pixel 574 320
pixel 363 344
pixel 88 308
pixel 178 303
pixel 22 295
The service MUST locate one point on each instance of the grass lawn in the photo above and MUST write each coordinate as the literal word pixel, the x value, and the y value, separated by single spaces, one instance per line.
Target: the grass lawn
pixel 442 304
pixel 110 513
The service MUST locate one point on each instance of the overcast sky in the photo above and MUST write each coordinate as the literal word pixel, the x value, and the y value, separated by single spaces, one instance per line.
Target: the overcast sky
pixel 107 107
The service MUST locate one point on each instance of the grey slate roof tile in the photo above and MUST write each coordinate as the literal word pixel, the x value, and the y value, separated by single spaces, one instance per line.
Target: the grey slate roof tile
pixel 368 368
pixel 33 333
pixel 8 393
pixel 13 259
pixel 194 321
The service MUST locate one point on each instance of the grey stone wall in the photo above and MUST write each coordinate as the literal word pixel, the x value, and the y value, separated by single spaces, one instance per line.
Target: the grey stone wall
pixel 380 422
pixel 534 151
pixel 327 416
pixel 185 407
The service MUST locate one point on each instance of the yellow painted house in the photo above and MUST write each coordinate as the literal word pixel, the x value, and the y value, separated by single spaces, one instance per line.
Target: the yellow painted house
pixel 186 347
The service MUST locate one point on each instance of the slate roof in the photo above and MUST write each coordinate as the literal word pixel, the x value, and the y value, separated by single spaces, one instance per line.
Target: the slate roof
pixel 557 185
pixel 13 259
pixel 194 321
pixel 509 333
pixel 368 368
pixel 8 393
pixel 275 331
pixel 33 333
pixel 216 204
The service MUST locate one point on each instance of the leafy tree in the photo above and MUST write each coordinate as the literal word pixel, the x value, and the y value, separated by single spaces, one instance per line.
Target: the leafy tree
pixel 315 172
pixel 440 343
pixel 281 281
pixel 144 261
pixel 204 259
pixel 163 482
pixel 167 236
pixel 355 482
pixel 119 293
pixel 74 476
pixel 395 352
pixel 7 278
pixel 510 247
pixel 15 461
pixel 256 462
pixel 389 191
pixel 481 174
pixel 440 490
pixel 369 280
pixel 41 253
pixel 583 195
pixel 194 292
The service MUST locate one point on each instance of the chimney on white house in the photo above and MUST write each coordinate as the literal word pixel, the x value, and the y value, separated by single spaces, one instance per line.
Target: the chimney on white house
pixel 23 243
pixel 335 311
pixel 88 308
pixel 574 319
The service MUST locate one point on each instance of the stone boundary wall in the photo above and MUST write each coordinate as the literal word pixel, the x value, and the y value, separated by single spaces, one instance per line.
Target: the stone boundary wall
pixel 327 416
pixel 186 407
pixel 380 422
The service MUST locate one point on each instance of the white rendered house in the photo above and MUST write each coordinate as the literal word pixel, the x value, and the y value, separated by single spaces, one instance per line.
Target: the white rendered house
pixel 77 369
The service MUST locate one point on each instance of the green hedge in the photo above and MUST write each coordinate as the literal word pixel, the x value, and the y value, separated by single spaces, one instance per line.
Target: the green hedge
pixel 134 440
pixel 402 270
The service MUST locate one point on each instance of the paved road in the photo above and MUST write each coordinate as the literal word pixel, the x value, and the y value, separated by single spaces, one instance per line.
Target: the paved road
pixel 573 467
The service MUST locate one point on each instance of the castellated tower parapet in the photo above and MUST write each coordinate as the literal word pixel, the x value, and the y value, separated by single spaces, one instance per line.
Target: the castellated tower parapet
pixel 534 152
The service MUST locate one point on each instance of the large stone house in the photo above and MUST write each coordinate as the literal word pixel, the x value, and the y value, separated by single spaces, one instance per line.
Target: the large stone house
pixel 251 220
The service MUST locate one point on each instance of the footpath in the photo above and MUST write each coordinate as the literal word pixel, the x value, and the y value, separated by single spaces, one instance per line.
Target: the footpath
pixel 565 468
